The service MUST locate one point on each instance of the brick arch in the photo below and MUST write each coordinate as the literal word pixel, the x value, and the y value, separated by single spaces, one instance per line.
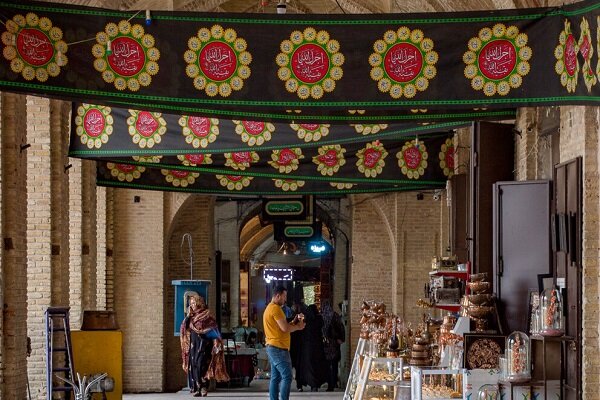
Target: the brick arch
pixel 371 277
pixel 192 214
pixel 392 237
pixel 176 201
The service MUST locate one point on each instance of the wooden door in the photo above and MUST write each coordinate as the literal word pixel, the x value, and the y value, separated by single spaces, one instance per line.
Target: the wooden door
pixel 567 258
pixel 492 158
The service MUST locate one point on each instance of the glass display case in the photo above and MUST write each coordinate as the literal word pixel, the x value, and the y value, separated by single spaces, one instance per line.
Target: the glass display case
pixel 518 357
pixel 382 378
pixel 551 322
pixel 375 377
pixel 437 383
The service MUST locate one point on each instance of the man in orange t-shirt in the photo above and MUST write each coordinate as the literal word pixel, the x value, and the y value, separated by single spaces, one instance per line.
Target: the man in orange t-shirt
pixel 277 334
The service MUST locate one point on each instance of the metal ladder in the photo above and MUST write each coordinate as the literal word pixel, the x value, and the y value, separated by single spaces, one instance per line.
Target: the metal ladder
pixel 59 353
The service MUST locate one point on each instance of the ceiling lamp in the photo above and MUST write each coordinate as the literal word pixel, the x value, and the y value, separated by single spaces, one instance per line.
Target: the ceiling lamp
pixel 281 7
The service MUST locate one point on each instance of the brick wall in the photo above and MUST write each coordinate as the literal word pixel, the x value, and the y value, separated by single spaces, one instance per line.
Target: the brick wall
pixel 579 137
pixel 13 124
pixel 138 286
pixel 394 238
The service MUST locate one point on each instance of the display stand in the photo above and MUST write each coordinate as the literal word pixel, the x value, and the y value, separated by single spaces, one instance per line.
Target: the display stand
pixel 548 355
pixel 363 365
pixel 355 369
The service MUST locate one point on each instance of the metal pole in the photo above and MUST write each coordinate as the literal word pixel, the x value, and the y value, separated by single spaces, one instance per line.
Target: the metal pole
pixel 188 237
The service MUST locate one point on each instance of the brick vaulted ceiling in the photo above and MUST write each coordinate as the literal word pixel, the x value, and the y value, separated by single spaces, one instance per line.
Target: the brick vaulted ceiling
pixel 317 6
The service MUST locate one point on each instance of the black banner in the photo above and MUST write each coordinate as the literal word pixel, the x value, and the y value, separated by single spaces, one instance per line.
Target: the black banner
pixel 422 163
pixel 101 132
pixel 314 68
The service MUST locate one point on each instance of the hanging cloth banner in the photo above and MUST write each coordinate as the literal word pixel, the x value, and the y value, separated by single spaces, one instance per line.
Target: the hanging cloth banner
pixel 100 132
pixel 421 163
pixel 314 68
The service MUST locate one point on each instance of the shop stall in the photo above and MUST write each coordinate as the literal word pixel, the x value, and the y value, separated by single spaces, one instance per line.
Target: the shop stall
pixel 459 350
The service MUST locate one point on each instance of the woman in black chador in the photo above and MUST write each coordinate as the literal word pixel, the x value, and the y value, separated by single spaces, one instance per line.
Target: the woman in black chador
pixel 334 331
pixel 311 369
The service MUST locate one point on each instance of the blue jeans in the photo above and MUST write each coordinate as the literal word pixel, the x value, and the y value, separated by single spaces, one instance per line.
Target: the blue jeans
pixel 281 373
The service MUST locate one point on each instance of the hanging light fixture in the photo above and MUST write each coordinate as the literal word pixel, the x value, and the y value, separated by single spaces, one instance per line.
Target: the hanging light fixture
pixel 281 7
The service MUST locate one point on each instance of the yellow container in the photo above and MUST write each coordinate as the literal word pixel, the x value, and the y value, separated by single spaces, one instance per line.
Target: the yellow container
pixel 100 351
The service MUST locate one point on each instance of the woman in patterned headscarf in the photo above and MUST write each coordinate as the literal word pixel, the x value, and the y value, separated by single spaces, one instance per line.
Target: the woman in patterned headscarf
pixel 201 347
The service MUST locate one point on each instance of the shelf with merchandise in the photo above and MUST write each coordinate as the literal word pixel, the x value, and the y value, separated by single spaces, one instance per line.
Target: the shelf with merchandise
pixel 446 287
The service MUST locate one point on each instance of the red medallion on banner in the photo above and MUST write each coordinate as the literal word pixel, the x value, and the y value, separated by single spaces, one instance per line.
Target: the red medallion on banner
pixel 403 62
pixel 584 48
pixel 197 159
pixel 241 157
pixel 310 63
pixel 34 47
pixel 234 178
pixel 286 156
pixel 146 125
pixel 570 57
pixel 200 126
pixel 217 61
pixel 254 127
pixel 93 122
pixel 372 156
pixel 412 157
pixel 179 174
pixel 128 57
pixel 497 59
pixel 310 127
pixel 329 158
pixel 126 168
pixel 449 157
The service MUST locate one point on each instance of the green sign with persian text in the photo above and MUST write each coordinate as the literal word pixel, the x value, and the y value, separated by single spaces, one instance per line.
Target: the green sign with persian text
pixel 288 207
pixel 284 209
pixel 298 231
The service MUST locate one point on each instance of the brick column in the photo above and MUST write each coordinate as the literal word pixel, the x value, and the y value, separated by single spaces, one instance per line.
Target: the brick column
pixel 590 253
pixel 139 286
pixel 88 249
pixel 2 286
pixel 59 223
pixel 39 238
pixel 75 239
pixel 110 280
pixel 13 266
pixel 101 248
